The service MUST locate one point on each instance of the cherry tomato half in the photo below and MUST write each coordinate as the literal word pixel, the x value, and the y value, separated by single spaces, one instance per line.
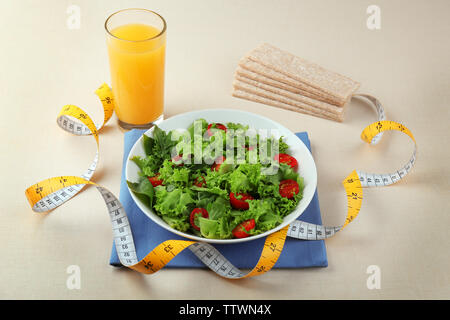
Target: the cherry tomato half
pixel 288 188
pixel 240 204
pixel 155 181
pixel 196 212
pixel 287 159
pixel 241 230
pixel 200 182
pixel 215 126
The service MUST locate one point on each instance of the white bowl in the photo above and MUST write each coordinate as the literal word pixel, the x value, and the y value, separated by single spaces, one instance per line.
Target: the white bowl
pixel 306 168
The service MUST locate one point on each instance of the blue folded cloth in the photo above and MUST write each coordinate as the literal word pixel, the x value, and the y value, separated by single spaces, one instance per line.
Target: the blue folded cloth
pixel 147 234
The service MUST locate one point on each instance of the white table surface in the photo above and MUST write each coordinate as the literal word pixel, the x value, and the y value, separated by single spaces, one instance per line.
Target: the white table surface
pixel 402 229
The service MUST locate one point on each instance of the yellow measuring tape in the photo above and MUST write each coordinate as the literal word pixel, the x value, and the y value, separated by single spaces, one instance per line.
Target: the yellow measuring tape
pixel 53 192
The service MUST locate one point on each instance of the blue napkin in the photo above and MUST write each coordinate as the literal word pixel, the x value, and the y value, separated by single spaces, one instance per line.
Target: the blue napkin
pixel 147 234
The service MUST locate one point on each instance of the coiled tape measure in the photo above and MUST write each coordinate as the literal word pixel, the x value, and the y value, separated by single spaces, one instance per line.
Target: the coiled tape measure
pixel 53 192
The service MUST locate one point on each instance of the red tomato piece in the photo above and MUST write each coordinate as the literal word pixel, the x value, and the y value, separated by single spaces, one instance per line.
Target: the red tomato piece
pixel 196 212
pixel 155 181
pixel 241 230
pixel 240 204
pixel 288 188
pixel 200 182
pixel 215 126
pixel 217 163
pixel 287 159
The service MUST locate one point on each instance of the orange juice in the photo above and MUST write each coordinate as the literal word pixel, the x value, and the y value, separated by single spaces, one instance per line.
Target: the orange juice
pixel 136 56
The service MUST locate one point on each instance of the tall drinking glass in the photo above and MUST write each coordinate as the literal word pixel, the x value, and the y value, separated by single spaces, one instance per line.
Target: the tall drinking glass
pixel 136 41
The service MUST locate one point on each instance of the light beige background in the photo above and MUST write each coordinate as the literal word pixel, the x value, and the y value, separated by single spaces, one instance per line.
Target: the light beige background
pixel 403 229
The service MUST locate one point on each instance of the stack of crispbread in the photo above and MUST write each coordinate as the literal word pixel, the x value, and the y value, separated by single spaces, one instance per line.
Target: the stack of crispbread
pixel 277 78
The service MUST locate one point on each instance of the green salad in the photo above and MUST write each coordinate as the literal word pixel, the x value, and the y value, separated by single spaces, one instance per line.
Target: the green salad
pixel 216 181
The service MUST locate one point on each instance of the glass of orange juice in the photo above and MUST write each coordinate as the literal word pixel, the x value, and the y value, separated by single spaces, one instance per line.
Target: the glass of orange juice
pixel 136 41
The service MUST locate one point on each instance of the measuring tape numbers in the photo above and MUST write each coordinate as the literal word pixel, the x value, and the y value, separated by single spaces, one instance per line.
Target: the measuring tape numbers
pixel 53 192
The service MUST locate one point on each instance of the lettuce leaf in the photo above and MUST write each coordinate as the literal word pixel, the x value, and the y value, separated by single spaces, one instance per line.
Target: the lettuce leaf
pixel 177 202
pixel 173 175
pixel 176 223
pixel 211 190
pixel 237 126
pixel 239 182
pixel 215 229
pixel 282 146
pixel 209 228
pixel 143 190
pixel 163 143
pixel 148 144
pixel 218 208
pixel 269 221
